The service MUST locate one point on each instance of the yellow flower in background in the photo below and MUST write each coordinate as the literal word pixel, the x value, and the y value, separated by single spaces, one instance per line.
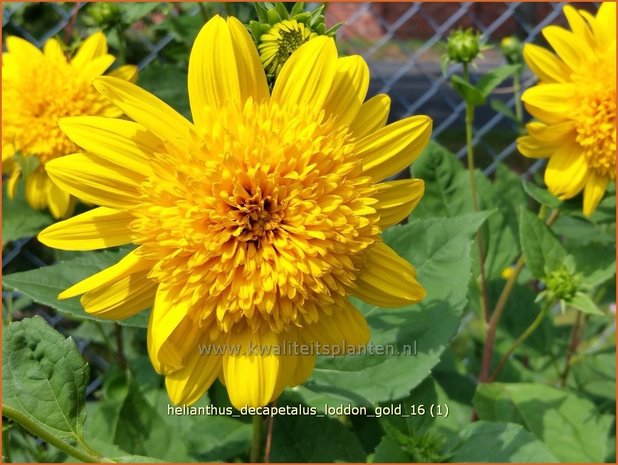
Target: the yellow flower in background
pixel 254 223
pixel 575 105
pixel 39 88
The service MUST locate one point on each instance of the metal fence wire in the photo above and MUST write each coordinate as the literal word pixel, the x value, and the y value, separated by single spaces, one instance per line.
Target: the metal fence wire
pixel 402 43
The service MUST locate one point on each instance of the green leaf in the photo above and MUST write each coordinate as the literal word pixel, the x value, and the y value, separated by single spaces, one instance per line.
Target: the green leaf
pixel 469 93
pixel 44 284
pixel 134 459
pixel 132 12
pixel 490 80
pixel 541 248
pixel 585 304
pixel 500 107
pixel 570 426
pixel 440 251
pixel 391 451
pixel 541 195
pixel 19 219
pixel 596 262
pixel 44 379
pixel 595 375
pixel 484 441
pixel 313 439
pixel 439 168
pixel 168 82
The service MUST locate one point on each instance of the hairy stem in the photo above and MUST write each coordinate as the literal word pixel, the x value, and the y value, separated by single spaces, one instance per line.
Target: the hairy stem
pixel 501 304
pixel 525 335
pixel 475 203
pixel 573 343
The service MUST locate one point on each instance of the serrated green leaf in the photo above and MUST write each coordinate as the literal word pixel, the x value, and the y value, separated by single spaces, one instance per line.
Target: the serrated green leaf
pixel 45 378
pixel 500 107
pixel 469 93
pixel 584 303
pixel 485 441
pixel 541 195
pixel 440 250
pixel 44 284
pixel 568 425
pixel 596 262
pixel 541 248
pixel 490 80
pixel 311 439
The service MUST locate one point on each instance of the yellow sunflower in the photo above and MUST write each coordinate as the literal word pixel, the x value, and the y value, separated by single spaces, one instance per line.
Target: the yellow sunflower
pixel 39 88
pixel 253 223
pixel 575 105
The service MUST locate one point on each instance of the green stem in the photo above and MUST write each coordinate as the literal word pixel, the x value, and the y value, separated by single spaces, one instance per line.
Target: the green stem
pixel 475 204
pixel 573 343
pixel 256 439
pixel 49 438
pixel 121 45
pixel 6 449
pixel 501 304
pixel 519 114
pixel 120 347
pixel 526 334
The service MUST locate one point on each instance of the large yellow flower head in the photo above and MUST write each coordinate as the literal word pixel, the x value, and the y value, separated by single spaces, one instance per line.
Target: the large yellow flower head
pixel 253 223
pixel 575 105
pixel 39 88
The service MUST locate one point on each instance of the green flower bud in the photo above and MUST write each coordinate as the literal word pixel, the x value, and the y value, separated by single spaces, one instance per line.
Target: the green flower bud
pixel 104 15
pixel 511 49
pixel 278 33
pixel 463 46
pixel 562 283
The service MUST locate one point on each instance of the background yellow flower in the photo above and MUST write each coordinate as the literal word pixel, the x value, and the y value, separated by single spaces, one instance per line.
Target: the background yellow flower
pixel 39 88
pixel 575 105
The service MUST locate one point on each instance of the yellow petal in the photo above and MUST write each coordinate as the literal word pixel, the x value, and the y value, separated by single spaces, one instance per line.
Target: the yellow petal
pixel 394 147
pixel 36 189
pixel 93 47
pixel 96 67
pixel 61 203
pixel 578 24
pixel 11 185
pixel 189 383
pixel 547 66
pixel 348 90
pixel 532 147
pixel 96 229
pixel 604 24
pixel 593 192
pixel 121 142
pixel 88 179
pixel 128 265
pixel 121 299
pixel 306 77
pixel 345 328
pixel 387 280
pixel 146 109
pixel 53 50
pixel 371 116
pixel 251 376
pixel 570 48
pixel 305 365
pixel 126 72
pixel 551 103
pixel 396 199
pixel 224 68
pixel 21 48
pixel 167 313
pixel 567 172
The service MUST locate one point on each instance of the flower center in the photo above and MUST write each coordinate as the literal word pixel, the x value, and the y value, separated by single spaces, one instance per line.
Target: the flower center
pixel 263 221
pixel 595 120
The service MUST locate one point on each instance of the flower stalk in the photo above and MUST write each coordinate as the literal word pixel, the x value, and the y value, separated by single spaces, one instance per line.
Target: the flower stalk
pixel 256 439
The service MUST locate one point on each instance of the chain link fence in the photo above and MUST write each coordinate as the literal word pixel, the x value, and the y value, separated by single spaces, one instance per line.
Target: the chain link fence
pixel 402 42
